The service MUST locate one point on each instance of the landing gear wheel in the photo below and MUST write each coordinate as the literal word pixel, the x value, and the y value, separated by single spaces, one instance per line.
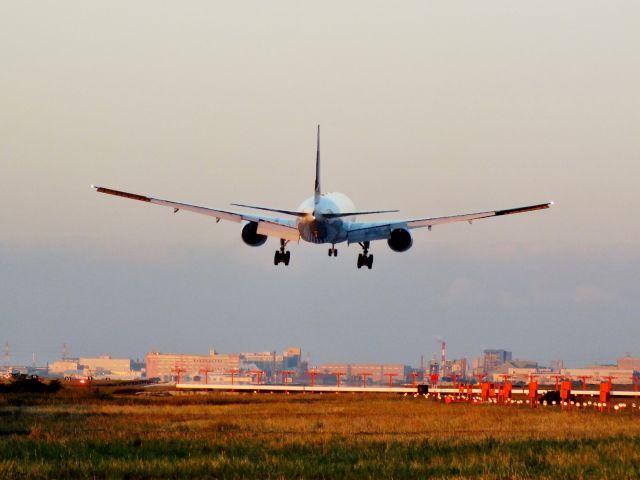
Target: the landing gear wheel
pixel 364 259
pixel 281 256
pixel 330 251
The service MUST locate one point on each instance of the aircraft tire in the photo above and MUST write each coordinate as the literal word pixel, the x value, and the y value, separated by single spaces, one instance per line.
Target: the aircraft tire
pixel 370 262
pixel 287 257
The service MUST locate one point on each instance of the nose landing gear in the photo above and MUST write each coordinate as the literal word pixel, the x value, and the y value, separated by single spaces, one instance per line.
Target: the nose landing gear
pixel 364 259
pixel 333 251
pixel 281 256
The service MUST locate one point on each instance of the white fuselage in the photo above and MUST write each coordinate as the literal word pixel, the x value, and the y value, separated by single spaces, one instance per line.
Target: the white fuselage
pixel 315 228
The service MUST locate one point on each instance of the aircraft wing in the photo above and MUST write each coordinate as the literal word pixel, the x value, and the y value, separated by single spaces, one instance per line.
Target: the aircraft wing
pixel 368 231
pixel 272 226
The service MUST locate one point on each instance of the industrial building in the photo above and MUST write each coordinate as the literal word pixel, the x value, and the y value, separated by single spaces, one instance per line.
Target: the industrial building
pixel 67 366
pixel 170 366
pixel 103 366
pixel 517 370
pixel 375 372
pixel 271 363
pixel 457 367
pixel 600 373
pixel 492 359
pixel 629 363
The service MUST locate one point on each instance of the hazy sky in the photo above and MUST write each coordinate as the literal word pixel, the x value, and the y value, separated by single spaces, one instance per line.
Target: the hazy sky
pixel 432 108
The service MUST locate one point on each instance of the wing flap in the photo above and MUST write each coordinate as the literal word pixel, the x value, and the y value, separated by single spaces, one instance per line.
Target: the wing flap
pixel 368 234
pixel 211 212
pixel 272 229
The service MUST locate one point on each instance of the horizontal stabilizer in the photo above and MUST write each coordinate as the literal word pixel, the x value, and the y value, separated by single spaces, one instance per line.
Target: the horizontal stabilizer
pixel 354 214
pixel 267 209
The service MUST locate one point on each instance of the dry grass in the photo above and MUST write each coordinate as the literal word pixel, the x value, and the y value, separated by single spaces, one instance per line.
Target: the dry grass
pixel 310 436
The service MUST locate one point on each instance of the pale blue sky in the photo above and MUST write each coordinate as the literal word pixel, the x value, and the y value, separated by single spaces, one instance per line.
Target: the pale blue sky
pixel 432 108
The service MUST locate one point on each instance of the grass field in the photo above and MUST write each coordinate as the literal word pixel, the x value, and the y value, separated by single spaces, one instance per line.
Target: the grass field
pixel 97 435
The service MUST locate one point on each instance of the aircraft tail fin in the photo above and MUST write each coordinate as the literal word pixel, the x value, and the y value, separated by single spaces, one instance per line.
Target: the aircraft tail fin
pixel 317 193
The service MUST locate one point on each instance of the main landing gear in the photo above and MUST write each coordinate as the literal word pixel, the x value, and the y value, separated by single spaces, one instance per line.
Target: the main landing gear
pixel 333 251
pixel 364 259
pixel 281 256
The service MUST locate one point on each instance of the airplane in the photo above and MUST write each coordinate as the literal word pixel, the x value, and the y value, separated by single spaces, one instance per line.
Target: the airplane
pixel 324 218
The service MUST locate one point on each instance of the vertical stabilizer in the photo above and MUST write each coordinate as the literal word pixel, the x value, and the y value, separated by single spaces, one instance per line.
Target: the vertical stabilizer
pixel 317 192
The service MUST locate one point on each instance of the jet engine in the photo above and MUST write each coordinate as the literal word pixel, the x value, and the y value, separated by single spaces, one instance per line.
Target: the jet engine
pixel 400 240
pixel 250 235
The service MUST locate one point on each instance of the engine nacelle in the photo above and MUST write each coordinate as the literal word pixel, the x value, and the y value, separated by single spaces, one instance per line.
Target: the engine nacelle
pixel 400 240
pixel 250 235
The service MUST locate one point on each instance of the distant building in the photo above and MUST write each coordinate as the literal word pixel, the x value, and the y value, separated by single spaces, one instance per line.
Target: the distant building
pixel 477 367
pixel 377 373
pixel 271 362
pixel 515 371
pixel 434 366
pixel 104 365
pixel 456 367
pixel 629 363
pixel 168 366
pixel 219 366
pixel 556 365
pixel 491 359
pixel 68 366
pixel 600 373
pixel 138 365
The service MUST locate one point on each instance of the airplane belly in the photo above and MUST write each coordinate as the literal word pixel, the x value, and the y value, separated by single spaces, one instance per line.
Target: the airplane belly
pixel 322 231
